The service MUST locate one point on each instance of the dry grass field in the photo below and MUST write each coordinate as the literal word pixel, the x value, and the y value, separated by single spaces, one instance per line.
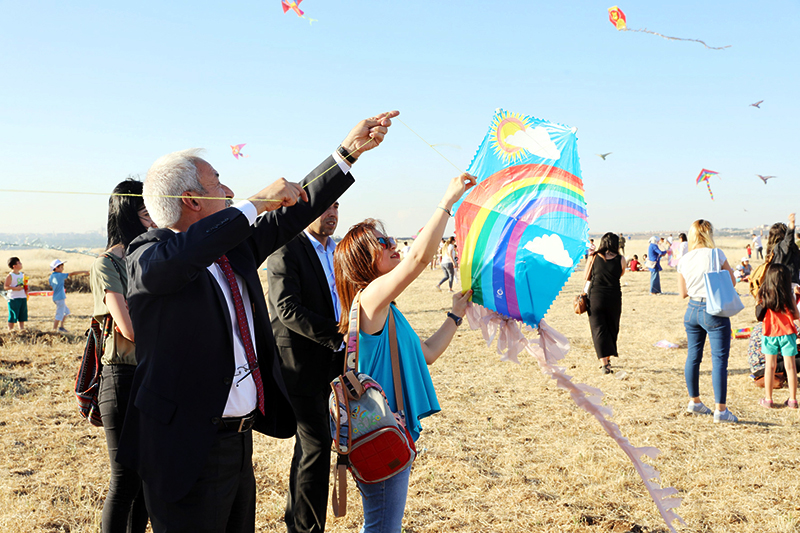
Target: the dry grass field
pixel 509 452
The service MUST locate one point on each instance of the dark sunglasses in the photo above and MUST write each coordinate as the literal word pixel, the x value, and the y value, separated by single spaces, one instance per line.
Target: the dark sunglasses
pixel 387 242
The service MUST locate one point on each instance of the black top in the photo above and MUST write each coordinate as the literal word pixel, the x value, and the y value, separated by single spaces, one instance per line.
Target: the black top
pixel 606 274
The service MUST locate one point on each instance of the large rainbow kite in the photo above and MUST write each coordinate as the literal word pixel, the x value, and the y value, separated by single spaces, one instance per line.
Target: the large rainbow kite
pixel 522 231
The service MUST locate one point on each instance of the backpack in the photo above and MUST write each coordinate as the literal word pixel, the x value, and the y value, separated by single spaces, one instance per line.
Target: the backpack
pixel 371 441
pixel 87 384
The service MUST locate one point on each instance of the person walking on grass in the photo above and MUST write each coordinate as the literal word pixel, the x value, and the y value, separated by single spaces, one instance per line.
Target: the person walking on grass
pixel 777 309
pixel 57 279
pixel 366 262
pixel 17 295
pixel 448 263
pixel 605 295
pixel 699 324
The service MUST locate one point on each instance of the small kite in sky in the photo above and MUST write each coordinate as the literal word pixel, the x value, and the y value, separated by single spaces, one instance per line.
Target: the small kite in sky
pixel 765 178
pixel 237 150
pixel 620 21
pixel 603 156
pixel 757 104
pixel 295 6
pixel 705 175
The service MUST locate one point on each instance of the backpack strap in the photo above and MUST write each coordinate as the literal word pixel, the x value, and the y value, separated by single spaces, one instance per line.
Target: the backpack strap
pixel 398 383
pixel 339 493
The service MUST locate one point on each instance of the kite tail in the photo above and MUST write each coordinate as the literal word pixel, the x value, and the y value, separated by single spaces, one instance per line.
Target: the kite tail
pixel 645 30
pixel 709 189
pixel 309 19
pixel 550 347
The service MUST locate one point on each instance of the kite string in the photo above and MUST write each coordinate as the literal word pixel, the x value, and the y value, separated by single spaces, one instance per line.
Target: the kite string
pixel 178 196
pixel 432 147
pixel 645 30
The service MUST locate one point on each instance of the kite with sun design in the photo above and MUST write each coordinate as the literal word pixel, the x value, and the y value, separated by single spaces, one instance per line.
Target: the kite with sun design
pixel 523 228
pixel 521 232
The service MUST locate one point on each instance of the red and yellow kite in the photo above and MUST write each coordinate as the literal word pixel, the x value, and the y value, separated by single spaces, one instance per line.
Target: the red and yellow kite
pixel 617 18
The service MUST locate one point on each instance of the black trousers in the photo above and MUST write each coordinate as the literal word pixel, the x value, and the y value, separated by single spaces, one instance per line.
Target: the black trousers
pixel 307 501
pixel 124 509
pixel 222 500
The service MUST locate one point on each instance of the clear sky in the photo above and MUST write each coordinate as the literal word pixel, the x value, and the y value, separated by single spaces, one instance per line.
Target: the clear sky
pixel 94 91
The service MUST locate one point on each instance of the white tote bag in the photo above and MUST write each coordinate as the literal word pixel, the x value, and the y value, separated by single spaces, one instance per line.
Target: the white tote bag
pixel 721 296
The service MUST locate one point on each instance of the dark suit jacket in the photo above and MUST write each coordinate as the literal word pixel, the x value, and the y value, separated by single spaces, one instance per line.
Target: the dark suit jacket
pixel 184 342
pixel 303 318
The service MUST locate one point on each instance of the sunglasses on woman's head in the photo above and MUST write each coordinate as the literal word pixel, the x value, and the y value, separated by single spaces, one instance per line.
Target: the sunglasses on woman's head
pixel 387 242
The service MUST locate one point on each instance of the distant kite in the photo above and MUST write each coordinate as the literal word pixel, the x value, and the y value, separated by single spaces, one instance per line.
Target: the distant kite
pixel 705 175
pixel 757 104
pixel 295 6
pixel 618 19
pixel 604 155
pixel 237 150
pixel 765 178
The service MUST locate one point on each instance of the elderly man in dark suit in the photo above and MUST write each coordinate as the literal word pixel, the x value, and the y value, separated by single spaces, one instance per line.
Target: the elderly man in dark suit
pixel 304 308
pixel 207 370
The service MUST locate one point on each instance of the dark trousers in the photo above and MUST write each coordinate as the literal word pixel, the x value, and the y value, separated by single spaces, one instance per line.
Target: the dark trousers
pixel 124 509
pixel 222 500
pixel 307 501
pixel 449 274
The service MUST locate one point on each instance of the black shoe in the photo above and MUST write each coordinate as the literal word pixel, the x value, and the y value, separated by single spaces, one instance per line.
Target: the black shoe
pixel 606 368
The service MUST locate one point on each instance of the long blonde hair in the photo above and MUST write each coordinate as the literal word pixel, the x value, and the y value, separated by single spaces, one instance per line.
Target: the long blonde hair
pixel 355 264
pixel 701 234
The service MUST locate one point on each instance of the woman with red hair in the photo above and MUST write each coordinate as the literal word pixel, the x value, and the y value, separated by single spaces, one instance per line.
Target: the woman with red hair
pixel 366 261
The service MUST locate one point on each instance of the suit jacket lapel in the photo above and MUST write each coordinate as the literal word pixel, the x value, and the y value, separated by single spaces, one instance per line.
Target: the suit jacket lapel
pixel 319 272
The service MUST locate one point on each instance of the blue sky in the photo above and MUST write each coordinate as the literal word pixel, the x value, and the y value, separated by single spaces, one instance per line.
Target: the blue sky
pixel 95 91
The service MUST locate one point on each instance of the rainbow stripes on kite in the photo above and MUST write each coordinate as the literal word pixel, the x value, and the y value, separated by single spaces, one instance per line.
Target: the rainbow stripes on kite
pixel 522 230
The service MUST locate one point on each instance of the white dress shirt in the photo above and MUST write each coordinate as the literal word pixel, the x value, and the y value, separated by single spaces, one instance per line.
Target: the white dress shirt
pixel 243 397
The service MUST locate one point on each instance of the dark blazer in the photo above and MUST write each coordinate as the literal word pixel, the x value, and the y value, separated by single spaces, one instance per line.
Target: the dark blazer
pixel 184 342
pixel 303 318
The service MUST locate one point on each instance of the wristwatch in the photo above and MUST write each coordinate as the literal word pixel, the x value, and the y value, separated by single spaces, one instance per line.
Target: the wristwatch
pixel 457 319
pixel 347 156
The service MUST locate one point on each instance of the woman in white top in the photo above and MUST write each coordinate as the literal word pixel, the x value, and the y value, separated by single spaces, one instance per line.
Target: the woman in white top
pixel 699 324
pixel 448 263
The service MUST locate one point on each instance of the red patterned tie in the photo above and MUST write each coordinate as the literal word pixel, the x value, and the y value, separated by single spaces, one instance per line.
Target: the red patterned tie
pixel 244 329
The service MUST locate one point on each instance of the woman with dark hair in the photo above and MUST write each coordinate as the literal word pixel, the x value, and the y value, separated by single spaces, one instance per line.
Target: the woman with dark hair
pixel 605 299
pixel 366 262
pixel 124 509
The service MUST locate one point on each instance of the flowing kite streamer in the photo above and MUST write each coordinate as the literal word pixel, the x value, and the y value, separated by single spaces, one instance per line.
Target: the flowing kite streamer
pixel 620 21
pixel 521 231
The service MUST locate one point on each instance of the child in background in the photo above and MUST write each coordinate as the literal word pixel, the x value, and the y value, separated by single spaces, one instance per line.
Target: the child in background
pixel 749 251
pixel 17 294
pixel 57 279
pixel 778 310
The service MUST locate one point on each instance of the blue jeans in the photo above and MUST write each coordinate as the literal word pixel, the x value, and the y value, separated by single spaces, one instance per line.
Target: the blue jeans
pixel 655 281
pixel 384 503
pixel 700 324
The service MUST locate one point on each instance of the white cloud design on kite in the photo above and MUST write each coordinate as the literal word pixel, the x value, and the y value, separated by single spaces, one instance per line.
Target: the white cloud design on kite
pixel 552 248
pixel 536 141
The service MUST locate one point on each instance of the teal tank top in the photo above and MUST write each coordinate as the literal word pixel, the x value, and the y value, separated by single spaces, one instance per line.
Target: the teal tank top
pixel 375 359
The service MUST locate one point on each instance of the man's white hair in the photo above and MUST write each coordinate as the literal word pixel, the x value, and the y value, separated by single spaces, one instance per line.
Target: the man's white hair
pixel 171 175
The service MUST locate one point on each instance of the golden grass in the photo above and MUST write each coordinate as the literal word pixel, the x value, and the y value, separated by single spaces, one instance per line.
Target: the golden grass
pixel 509 452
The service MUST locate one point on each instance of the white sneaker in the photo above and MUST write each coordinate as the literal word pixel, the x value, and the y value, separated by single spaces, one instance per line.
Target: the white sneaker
pixel 698 408
pixel 725 416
